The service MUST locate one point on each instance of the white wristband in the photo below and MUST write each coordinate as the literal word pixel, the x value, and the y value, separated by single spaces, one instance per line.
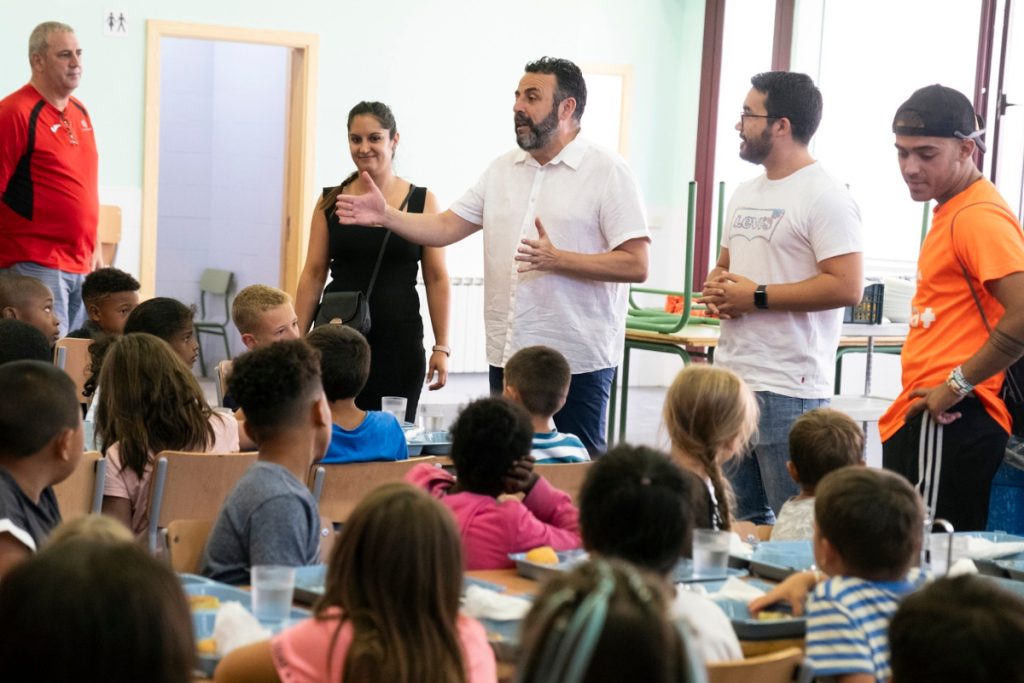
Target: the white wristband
pixel 446 350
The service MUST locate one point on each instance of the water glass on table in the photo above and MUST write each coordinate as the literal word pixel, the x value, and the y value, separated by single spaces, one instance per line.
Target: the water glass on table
pixel 710 553
pixel 395 405
pixel 272 590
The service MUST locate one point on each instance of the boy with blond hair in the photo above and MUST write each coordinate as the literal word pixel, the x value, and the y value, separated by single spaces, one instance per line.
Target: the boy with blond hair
pixel 263 315
pixel 537 378
pixel 821 441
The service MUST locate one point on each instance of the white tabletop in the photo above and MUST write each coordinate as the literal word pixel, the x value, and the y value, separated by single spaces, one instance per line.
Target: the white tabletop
pixel 882 330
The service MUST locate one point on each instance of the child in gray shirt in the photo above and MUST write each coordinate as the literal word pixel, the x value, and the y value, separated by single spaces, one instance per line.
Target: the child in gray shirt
pixel 270 517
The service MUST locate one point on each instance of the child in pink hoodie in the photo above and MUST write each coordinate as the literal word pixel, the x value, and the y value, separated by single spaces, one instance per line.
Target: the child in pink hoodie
pixel 491 442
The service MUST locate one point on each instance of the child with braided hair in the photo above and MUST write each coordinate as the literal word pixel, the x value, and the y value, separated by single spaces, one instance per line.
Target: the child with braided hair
pixel 711 416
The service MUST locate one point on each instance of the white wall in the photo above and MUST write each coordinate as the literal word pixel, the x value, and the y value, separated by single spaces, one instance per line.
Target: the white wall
pixel 222 138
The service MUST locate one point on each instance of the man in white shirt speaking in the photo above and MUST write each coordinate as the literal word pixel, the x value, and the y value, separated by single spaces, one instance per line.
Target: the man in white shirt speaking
pixel 564 231
pixel 790 259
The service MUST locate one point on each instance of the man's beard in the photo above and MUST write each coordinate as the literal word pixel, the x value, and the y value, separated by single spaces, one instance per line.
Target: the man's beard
pixel 540 133
pixel 756 150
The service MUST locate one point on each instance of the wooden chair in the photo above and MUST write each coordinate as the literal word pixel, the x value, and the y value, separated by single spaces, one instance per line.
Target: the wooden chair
pixel 568 477
pixel 785 666
pixel 186 539
pixel 191 486
pixel 82 493
pixel 108 232
pixel 72 356
pixel 339 488
pixel 223 371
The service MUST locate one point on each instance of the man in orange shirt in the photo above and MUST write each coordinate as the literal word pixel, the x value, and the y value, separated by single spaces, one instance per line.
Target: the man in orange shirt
pixel 948 429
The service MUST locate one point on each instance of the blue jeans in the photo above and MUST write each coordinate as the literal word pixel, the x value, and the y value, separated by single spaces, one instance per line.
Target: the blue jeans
pixel 759 478
pixel 586 407
pixel 66 289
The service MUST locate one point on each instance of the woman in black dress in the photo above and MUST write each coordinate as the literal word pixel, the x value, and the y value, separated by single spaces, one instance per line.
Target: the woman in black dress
pixel 397 365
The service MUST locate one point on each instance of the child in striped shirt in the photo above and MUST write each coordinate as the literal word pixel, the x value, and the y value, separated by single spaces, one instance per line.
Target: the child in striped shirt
pixel 868 530
pixel 537 378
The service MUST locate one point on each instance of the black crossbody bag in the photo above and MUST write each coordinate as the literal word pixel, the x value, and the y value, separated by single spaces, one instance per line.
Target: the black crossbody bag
pixel 353 308
pixel 1012 392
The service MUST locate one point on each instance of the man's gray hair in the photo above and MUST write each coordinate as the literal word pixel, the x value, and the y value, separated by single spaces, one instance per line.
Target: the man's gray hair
pixel 41 33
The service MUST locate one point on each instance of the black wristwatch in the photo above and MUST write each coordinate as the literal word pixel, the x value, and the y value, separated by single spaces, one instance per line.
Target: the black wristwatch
pixel 761 297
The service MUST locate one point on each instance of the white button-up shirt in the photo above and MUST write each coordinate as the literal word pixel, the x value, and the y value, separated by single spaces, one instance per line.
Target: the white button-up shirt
pixel 589 202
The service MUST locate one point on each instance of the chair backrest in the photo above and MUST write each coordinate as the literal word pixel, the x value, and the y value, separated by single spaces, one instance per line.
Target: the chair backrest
pixel 340 488
pixel 77 363
pixel 784 666
pixel 82 493
pixel 568 477
pixel 192 486
pixel 217 282
pixel 108 232
pixel 186 539
pixel 223 372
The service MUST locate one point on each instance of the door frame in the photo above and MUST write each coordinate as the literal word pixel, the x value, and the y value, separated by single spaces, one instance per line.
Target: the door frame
pixel 298 195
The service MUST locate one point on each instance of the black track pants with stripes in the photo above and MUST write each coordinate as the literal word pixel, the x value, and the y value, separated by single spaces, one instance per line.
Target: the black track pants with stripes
pixel 952 465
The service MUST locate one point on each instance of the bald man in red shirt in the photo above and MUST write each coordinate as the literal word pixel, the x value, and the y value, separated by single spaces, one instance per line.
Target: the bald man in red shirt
pixel 49 197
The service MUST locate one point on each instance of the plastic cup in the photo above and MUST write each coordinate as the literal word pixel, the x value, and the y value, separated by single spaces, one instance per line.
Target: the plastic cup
pixel 272 589
pixel 710 553
pixel 395 405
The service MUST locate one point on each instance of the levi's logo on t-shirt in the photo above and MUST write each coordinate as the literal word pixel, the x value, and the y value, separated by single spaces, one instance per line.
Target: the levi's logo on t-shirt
pixel 751 223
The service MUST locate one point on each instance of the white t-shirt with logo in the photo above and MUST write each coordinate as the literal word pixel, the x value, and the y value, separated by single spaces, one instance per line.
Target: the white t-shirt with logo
pixel 777 231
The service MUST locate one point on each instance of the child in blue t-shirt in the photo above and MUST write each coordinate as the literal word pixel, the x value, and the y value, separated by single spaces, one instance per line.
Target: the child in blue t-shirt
pixel 537 378
pixel 356 435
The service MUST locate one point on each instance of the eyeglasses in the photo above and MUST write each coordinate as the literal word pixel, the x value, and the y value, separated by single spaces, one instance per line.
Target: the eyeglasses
pixel 67 127
pixel 745 115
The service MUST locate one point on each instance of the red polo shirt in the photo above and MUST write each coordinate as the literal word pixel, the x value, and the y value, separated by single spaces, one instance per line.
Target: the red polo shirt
pixel 49 196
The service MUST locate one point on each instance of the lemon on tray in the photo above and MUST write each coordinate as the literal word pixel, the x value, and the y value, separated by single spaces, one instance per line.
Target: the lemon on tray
pixel 542 555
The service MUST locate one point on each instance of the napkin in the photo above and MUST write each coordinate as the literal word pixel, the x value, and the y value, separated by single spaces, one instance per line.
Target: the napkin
pixel 482 603
pixel 738 590
pixel 235 627
pixel 740 548
pixel 984 549
pixel 961 567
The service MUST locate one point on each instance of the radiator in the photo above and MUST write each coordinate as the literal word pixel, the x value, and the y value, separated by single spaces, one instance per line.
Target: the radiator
pixel 465 323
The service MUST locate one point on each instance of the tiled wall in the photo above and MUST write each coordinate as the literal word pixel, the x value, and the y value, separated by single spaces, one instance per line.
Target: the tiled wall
pixel 222 139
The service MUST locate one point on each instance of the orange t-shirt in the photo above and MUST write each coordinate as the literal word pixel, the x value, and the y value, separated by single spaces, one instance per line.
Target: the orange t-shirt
pixel 945 326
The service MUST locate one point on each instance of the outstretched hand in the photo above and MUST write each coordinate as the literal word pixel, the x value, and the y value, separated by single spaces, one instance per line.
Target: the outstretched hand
pixel 368 208
pixel 538 254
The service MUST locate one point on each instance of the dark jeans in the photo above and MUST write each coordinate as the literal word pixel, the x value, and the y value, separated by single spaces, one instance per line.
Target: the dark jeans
pixel 759 478
pixel 586 407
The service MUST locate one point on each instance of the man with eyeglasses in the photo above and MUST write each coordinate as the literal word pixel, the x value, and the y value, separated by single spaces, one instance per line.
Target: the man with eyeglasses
pixel 947 430
pixel 790 260
pixel 49 196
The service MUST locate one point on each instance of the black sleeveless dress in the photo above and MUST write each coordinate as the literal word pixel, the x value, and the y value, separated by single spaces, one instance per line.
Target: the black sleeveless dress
pixel 397 360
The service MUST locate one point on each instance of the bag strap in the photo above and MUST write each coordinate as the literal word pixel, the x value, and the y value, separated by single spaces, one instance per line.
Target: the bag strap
pixel 384 244
pixel 963 268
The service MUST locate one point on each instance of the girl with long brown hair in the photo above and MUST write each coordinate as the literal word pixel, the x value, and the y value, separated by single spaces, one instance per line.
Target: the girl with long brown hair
pixel 711 416
pixel 390 610
pixel 150 402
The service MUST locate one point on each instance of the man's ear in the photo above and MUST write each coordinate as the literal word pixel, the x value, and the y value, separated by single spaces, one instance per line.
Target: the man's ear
pixel 510 393
pixel 9 312
pixel 567 108
pixel 249 340
pixel 93 311
pixel 791 468
pixel 63 444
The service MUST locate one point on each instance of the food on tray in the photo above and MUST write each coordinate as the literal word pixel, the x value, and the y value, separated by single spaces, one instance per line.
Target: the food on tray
pixel 207 646
pixel 542 555
pixel 203 602
pixel 769 615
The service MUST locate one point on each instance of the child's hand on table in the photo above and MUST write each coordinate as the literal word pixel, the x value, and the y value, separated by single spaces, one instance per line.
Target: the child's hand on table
pixel 792 591
pixel 520 478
